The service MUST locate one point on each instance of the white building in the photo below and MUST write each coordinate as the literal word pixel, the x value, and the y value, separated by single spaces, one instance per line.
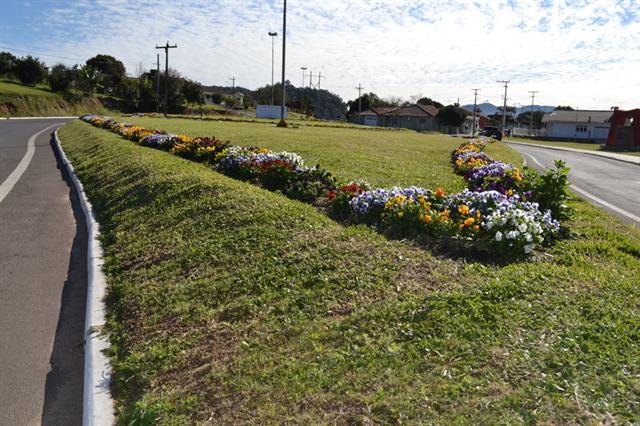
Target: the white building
pixel 577 125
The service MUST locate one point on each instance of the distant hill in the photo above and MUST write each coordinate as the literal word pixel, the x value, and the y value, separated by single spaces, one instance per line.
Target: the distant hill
pixel 491 109
pixel 227 90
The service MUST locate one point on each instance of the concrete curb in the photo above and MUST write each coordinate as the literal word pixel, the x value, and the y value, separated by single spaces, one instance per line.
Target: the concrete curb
pixel 38 118
pixel 97 404
pixel 610 155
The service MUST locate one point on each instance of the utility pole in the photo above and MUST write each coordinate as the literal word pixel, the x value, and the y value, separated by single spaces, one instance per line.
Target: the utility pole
pixel 359 97
pixel 311 80
pixel 233 92
pixel 504 109
pixel 533 96
pixel 475 105
pixel 283 123
pixel 166 48
pixel 273 37
pixel 320 77
pixel 158 81
pixel 303 70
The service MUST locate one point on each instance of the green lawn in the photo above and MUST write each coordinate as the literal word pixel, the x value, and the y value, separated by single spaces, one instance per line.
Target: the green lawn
pixel 383 157
pixel 571 144
pixel 16 88
pixel 229 304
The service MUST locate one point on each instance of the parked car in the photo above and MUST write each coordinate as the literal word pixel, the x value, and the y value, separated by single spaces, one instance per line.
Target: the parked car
pixel 493 132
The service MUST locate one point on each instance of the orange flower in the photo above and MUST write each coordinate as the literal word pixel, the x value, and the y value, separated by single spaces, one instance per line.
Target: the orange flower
pixel 469 221
pixel 476 227
pixel 440 192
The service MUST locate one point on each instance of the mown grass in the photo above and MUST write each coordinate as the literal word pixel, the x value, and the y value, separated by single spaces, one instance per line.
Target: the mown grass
pixel 17 100
pixel 572 144
pixel 232 305
pixel 384 158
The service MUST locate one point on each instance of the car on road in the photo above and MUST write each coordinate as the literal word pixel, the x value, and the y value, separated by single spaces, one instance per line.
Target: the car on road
pixel 493 132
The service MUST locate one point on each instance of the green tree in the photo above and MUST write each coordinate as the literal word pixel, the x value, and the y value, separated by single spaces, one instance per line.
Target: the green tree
pixel 30 70
pixel 429 101
pixel 451 115
pixel 7 64
pixel 61 78
pixel 192 92
pixel 563 108
pixel 88 79
pixel 112 70
pixel 368 100
pixel 525 118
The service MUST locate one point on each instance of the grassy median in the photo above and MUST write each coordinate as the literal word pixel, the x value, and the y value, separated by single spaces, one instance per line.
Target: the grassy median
pixel 229 304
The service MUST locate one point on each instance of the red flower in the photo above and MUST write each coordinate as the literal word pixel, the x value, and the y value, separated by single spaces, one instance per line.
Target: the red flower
pixel 331 195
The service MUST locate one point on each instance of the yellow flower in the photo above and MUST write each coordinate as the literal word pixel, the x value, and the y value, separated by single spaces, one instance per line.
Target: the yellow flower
pixel 426 218
pixel 469 221
pixel 463 209
pixel 476 227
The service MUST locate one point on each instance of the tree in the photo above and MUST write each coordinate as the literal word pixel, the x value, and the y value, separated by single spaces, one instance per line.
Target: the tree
pixel 112 70
pixel 368 100
pixel 61 78
pixel 30 70
pixel 7 64
pixel 525 119
pixel 563 108
pixel 429 101
pixel 451 115
pixel 88 79
pixel 192 92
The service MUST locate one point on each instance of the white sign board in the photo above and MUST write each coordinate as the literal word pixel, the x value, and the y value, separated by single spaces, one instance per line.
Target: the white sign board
pixel 269 111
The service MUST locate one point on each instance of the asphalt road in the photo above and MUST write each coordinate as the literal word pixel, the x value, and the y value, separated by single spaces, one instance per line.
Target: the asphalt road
pixel 610 184
pixel 42 281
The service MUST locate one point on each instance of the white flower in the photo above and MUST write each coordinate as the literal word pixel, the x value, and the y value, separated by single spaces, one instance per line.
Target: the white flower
pixel 498 236
pixel 522 227
pixel 528 248
pixel 528 237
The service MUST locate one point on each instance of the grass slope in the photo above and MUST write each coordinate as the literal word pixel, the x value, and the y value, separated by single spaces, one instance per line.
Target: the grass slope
pixel 384 158
pixel 229 304
pixel 18 100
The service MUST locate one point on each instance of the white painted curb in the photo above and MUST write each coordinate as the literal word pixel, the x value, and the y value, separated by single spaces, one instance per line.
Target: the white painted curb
pixel 97 404
pixel 38 118
pixel 610 155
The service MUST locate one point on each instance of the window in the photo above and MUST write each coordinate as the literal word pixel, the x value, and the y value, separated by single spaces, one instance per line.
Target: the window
pixel 581 129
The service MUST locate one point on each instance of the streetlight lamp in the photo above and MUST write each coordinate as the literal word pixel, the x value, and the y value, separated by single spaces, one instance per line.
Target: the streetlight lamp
pixel 273 37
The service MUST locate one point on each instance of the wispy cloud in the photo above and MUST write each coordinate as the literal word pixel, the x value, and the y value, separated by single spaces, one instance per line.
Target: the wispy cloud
pixel 583 53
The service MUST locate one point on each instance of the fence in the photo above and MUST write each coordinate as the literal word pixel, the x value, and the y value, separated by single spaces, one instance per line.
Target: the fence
pixel 524 131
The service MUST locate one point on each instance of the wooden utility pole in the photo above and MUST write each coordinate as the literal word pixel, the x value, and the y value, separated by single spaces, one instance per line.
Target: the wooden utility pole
pixel 504 108
pixel 533 97
pixel 166 48
pixel 359 97
pixel 475 105
pixel 158 81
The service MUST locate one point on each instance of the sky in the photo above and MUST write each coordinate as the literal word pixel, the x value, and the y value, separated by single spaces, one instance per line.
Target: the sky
pixel 583 53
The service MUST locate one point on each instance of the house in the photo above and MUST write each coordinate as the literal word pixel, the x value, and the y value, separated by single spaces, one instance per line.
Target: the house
pixel 416 117
pixel 372 116
pixel 625 129
pixel 467 127
pixel 582 125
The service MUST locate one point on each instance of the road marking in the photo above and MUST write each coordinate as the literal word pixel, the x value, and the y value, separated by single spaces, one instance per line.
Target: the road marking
pixel 593 197
pixel 604 203
pixel 17 173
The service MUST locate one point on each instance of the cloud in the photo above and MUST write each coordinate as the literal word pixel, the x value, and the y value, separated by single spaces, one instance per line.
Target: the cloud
pixel 583 53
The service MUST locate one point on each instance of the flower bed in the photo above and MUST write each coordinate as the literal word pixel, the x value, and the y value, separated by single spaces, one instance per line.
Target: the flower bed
pixel 498 209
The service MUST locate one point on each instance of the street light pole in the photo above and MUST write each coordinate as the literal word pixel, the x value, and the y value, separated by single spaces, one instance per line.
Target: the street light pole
pixel 282 122
pixel 273 36
pixel 475 106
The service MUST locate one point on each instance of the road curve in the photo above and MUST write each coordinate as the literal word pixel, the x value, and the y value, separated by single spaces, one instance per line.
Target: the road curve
pixel 42 281
pixel 610 184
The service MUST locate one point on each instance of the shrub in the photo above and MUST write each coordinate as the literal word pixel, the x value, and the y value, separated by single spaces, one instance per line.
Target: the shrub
pixel 30 70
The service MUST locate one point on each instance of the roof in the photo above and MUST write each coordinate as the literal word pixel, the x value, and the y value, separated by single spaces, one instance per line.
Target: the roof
pixel 377 110
pixel 582 116
pixel 415 110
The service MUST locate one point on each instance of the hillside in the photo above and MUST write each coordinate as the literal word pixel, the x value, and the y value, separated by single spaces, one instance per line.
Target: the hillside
pixel 18 100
